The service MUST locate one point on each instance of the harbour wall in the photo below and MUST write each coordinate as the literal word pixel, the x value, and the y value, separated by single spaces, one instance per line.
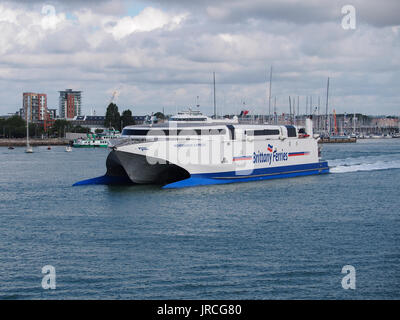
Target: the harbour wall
pixel 33 142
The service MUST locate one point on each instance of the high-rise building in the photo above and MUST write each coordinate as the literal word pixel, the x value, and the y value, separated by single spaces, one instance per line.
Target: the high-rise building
pixel 34 105
pixel 52 113
pixel 70 104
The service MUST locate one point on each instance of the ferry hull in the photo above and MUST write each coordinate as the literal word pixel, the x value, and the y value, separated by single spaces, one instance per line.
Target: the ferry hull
pixel 127 168
pixel 258 174
pixel 143 170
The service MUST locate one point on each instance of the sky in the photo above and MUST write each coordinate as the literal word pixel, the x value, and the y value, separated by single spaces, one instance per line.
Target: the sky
pixel 161 55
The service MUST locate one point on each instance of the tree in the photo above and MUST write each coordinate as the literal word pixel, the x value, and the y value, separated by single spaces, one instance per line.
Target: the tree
pixel 113 118
pixel 13 127
pixel 60 126
pixel 159 115
pixel 80 129
pixel 2 128
pixel 127 118
pixel 15 121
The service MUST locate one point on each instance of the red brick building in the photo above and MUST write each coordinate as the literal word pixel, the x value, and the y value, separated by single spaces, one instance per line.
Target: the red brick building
pixel 70 104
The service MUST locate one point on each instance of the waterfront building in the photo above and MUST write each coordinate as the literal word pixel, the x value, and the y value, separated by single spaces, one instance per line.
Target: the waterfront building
pixel 52 113
pixel 139 119
pixel 70 104
pixel 91 122
pixel 35 105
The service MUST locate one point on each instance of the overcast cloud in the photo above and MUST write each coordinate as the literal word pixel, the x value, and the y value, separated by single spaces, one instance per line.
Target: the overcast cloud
pixel 161 54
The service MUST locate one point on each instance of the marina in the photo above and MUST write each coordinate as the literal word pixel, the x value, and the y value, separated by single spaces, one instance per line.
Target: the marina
pixel 33 142
pixel 339 139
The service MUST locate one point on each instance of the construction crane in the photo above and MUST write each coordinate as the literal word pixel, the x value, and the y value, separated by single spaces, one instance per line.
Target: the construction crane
pixel 114 96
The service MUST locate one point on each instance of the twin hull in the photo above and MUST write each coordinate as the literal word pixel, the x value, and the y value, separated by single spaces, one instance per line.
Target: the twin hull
pixel 182 163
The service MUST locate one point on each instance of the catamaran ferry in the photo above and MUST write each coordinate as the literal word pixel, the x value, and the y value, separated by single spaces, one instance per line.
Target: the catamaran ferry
pixel 192 149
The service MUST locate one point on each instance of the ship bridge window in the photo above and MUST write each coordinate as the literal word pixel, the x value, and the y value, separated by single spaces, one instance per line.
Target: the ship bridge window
pixel 291 131
pixel 265 132
pixel 134 132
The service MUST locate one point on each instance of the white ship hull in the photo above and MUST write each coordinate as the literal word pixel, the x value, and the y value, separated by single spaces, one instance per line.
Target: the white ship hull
pixel 224 154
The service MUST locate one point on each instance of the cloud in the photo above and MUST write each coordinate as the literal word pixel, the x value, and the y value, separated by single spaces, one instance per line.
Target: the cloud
pixel 163 54
pixel 148 20
pixel 380 14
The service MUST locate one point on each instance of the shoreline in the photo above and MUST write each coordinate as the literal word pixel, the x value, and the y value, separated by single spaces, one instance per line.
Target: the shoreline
pixel 34 142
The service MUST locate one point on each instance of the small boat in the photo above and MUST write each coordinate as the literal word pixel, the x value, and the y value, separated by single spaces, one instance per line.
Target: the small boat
pixel 90 143
pixel 48 148
pixel 101 140
pixel 376 136
pixel 29 149
pixel 11 148
pixel 68 149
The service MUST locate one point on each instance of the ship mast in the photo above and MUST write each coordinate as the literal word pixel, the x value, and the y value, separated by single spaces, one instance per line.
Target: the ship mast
pixel 269 98
pixel 27 128
pixel 326 111
pixel 28 147
pixel 215 101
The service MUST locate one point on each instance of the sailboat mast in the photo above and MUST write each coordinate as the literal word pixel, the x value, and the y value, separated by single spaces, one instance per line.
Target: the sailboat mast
pixel 306 106
pixel 269 98
pixel 27 126
pixel 319 105
pixel 215 100
pixel 326 111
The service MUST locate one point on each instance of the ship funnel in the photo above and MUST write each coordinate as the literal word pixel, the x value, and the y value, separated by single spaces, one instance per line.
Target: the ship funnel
pixel 309 127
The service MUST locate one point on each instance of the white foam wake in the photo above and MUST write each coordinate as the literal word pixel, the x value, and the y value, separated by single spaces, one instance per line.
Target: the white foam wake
pixel 364 164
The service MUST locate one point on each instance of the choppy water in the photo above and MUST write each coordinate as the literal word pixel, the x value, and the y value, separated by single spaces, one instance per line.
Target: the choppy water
pixel 273 239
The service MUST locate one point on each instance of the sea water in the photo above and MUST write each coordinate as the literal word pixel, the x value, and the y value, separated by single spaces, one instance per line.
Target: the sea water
pixel 275 239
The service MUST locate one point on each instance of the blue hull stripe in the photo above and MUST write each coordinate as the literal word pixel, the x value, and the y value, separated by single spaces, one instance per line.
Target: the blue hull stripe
pixel 225 177
pixel 108 180
pixel 257 174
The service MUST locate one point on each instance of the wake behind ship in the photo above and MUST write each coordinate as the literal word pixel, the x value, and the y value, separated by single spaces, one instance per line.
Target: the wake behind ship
pixel 192 149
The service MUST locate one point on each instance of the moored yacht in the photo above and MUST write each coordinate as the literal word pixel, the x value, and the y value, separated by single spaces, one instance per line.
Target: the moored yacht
pixel 192 149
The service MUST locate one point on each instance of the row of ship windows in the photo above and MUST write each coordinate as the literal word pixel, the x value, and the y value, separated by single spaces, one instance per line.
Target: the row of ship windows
pixel 196 132
pixel 265 132
pixel 188 119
